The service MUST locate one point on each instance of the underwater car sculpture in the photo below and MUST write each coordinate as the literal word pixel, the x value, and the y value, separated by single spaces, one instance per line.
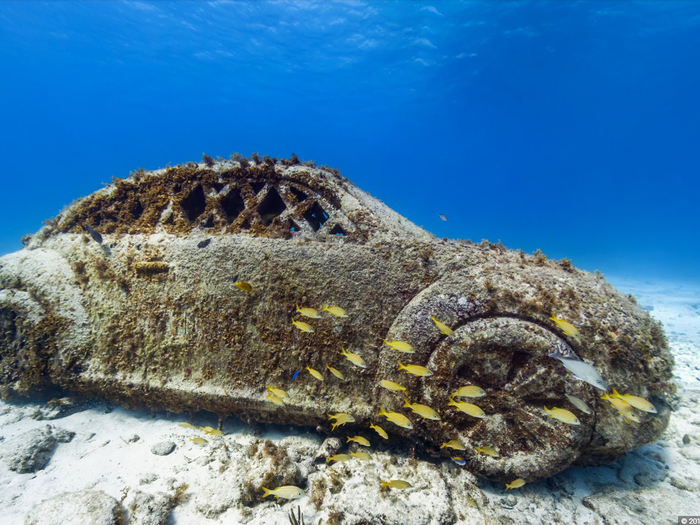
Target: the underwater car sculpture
pixel 192 295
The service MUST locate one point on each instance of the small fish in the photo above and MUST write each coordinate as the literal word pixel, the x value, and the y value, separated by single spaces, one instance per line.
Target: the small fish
pixel 442 216
pixel 286 492
pixel 333 310
pixel 467 408
pixel 453 444
pixel 309 312
pixel 416 370
pixel 515 484
pixel 379 430
pixel 562 415
pixel 396 418
pixel 488 451
pixel 399 346
pixel 469 391
pixel 95 235
pixel 315 373
pixel 566 327
pixel 579 403
pixel 637 402
pixel 337 416
pixel 185 425
pixel 335 372
pixel 461 462
pixel 624 408
pixel 216 432
pixel 581 370
pixel 199 441
pixel 361 455
pixel 294 376
pixel 304 327
pixel 444 329
pixel 340 419
pixel 359 440
pixel 395 484
pixel 422 410
pixel 207 429
pixel 390 385
pixel 278 392
pixel 353 358
pixel 272 398
pixel 338 458
pixel 241 285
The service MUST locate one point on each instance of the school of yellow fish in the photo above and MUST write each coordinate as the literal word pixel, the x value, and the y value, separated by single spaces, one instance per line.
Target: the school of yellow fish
pixel 623 403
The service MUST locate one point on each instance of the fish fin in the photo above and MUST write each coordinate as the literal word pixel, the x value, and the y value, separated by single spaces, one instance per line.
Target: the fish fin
pixel 267 492
pixel 406 403
pixel 557 354
pixel 401 366
pixel 616 393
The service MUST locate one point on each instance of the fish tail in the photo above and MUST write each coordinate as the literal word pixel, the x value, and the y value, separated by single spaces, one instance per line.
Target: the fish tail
pixel 443 445
pixel 383 484
pixel 349 440
pixel 401 367
pixel 298 309
pixel 382 412
pixel 324 308
pixel 267 492
pixel 406 403
pixel 556 354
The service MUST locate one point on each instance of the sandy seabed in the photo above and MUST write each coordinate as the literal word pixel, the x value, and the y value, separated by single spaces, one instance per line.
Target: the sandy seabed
pixel 111 452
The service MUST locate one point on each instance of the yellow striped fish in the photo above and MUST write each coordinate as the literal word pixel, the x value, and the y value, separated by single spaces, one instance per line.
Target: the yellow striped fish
pixel 416 370
pixel 444 329
pixel 467 408
pixel 422 410
pixel 396 418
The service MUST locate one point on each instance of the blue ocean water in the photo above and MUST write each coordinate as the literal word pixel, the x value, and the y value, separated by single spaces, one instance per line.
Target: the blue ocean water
pixel 572 127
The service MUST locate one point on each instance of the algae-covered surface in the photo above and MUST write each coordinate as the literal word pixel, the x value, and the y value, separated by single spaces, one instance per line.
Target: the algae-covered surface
pixel 155 316
pixel 220 482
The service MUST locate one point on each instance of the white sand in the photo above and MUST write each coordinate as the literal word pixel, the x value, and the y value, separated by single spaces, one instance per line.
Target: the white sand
pixel 651 485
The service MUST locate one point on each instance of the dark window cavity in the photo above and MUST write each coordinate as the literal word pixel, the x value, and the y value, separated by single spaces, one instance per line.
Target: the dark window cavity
pixel 300 195
pixel 338 230
pixel 193 205
pixel 232 204
pixel 271 206
pixel 315 216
